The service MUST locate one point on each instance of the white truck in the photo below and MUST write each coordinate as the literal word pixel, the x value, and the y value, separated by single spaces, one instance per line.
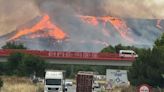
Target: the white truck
pixel 54 81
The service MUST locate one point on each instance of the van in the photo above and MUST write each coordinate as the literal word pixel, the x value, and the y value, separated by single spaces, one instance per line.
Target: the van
pixel 127 53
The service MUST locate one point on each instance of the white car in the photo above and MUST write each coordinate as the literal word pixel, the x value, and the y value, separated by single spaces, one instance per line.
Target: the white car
pixel 96 85
pixel 68 83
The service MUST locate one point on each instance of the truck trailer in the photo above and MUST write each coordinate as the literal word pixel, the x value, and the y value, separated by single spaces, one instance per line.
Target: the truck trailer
pixel 84 81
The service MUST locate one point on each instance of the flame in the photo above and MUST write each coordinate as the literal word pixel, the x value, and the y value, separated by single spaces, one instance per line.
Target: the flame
pixel 45 23
pixel 158 24
pixel 93 21
pixel 119 24
pixel 57 33
pixel 38 35
pixel 90 19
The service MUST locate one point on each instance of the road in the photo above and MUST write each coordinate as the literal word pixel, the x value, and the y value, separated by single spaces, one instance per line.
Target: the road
pixel 73 89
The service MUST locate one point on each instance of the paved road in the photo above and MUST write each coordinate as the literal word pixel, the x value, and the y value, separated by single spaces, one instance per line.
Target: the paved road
pixel 73 89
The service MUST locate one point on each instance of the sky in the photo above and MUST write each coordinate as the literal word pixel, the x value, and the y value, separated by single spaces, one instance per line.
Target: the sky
pixel 136 8
pixel 14 13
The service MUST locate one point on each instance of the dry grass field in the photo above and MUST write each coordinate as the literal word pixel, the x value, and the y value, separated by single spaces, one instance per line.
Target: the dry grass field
pixel 20 84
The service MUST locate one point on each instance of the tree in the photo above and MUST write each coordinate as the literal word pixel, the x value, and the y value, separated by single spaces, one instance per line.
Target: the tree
pixel 1 83
pixel 25 64
pixel 149 67
pixel 2 68
pixel 13 45
pixel 160 41
pixel 14 61
pixel 32 65
pixel 117 48
pixel 109 49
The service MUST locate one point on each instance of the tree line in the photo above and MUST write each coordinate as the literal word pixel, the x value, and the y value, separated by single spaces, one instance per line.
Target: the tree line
pixel 21 64
pixel 149 66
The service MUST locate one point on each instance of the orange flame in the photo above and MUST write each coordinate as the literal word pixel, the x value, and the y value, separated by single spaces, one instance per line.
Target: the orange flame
pixel 119 24
pixel 90 19
pixel 57 33
pixel 93 21
pixel 45 23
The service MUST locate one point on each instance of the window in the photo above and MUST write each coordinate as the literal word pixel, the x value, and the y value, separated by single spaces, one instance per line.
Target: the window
pixel 53 81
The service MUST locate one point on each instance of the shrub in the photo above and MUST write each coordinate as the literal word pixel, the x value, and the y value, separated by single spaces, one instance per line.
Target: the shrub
pixel 22 64
pixel 1 83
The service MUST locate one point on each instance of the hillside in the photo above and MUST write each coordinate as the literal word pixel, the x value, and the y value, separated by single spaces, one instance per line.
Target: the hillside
pixel 85 33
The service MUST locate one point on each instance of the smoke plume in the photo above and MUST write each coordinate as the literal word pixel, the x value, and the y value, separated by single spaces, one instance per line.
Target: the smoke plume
pixel 14 13
pixel 145 9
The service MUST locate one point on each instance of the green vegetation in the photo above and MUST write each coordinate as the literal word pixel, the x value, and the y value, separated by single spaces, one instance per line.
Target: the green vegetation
pixel 2 68
pixel 22 64
pixel 149 67
pixel 1 83
pixel 72 70
pixel 32 64
pixel 25 65
pixel 14 61
pixel 117 48
pixel 13 45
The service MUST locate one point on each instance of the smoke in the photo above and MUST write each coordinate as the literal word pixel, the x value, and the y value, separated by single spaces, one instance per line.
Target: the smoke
pixel 64 13
pixel 145 9
pixel 16 12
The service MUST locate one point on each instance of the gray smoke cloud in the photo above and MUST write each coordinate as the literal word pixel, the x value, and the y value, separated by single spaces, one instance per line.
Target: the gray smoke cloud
pixel 145 9
pixel 148 9
pixel 16 12
pixel 86 7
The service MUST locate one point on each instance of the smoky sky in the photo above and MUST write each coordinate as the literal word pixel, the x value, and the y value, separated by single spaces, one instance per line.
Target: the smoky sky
pixel 16 12
pixel 148 9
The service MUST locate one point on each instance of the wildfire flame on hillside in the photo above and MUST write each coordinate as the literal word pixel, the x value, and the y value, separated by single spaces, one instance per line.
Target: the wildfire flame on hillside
pixel 119 24
pixel 58 34
pixel 45 23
